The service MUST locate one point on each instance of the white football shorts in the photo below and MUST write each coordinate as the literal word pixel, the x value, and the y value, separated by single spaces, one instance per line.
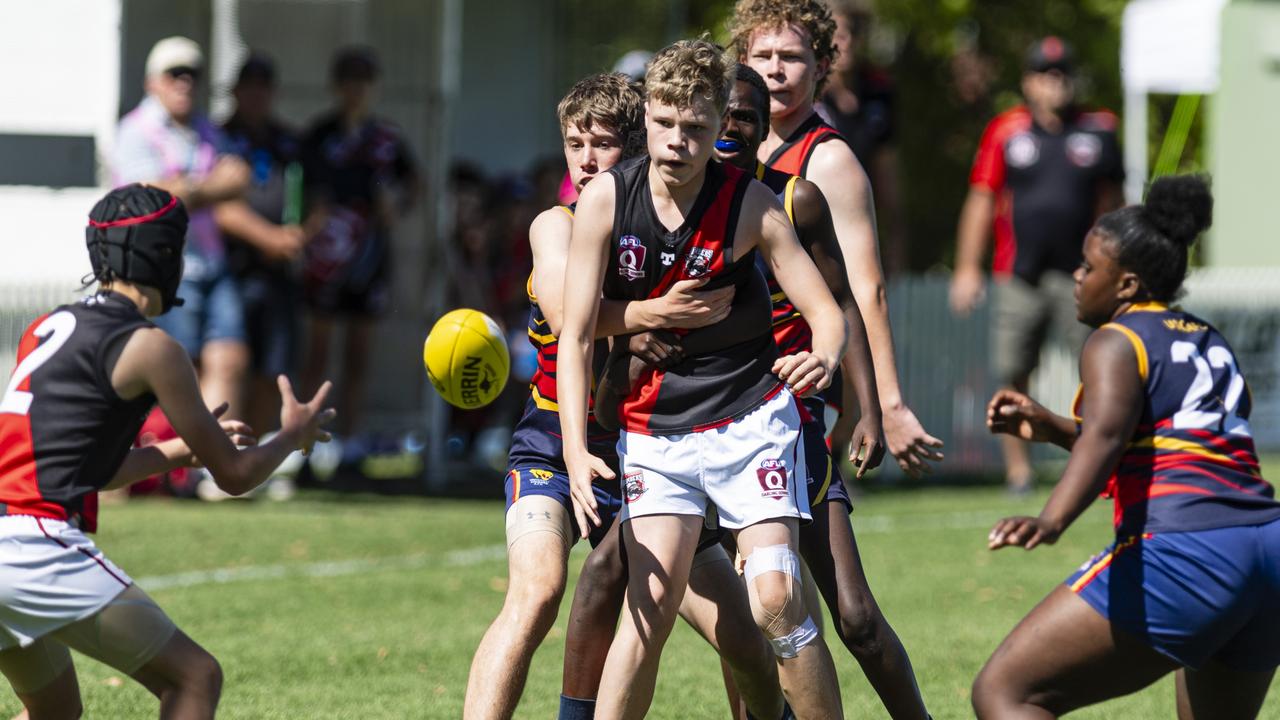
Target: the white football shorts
pixel 751 469
pixel 51 575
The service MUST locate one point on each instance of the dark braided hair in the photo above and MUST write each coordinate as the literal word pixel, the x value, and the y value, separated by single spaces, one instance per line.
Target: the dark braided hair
pixel 1152 240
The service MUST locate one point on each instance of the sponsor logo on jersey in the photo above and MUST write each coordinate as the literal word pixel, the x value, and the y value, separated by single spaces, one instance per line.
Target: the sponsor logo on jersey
pixel 1022 151
pixel 698 262
pixel 773 479
pixel 667 258
pixel 1084 149
pixel 633 486
pixel 631 254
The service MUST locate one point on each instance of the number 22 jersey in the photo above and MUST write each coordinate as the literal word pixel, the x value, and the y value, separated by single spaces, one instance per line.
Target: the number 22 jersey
pixel 63 430
pixel 1191 463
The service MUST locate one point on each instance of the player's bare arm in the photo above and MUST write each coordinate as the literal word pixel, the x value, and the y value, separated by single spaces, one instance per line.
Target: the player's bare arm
pixel 1113 407
pixel 817 235
pixel 972 237
pixel 684 306
pixel 152 361
pixel 1014 413
pixel 588 256
pixel 168 455
pixel 836 172
pixel 764 221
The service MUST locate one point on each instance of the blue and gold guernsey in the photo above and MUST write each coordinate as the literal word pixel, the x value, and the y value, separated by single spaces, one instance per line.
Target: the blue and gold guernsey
pixel 535 463
pixel 1191 464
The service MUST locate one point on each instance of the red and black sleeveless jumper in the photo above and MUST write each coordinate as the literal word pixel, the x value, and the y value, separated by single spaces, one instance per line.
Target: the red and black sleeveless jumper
pixel 793 155
pixel 64 432
pixel 703 391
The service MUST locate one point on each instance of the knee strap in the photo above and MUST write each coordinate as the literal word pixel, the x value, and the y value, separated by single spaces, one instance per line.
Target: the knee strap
pixel 786 637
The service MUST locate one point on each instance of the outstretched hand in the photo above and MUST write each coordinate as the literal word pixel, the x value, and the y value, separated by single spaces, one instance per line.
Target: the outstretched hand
pixel 1022 531
pixel 305 419
pixel 908 442
pixel 1014 413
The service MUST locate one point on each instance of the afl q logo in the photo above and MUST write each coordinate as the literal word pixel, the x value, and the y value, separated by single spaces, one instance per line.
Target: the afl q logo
pixel 773 479
pixel 1022 151
pixel 631 254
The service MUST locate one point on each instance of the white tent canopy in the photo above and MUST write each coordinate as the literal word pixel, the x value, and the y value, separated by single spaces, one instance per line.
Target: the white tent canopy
pixel 1167 46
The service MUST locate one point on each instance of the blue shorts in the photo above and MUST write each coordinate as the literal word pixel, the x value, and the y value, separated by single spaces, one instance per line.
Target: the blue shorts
pixel 825 481
pixel 1193 596
pixel 535 465
pixel 212 308
pixel 272 307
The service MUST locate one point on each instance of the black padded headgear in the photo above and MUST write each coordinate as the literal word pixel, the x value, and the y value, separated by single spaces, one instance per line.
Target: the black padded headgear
pixel 137 233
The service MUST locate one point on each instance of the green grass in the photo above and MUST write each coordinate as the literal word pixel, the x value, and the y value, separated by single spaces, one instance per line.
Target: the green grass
pixel 396 640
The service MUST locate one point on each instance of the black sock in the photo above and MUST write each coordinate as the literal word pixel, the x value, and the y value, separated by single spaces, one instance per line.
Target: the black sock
pixel 576 708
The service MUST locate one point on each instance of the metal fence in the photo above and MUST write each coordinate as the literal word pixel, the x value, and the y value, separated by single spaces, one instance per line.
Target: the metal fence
pixel 943 361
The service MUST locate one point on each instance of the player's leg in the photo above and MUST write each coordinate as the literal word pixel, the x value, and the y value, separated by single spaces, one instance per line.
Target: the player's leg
pixel 831 553
pixel 1217 692
pixel 538 541
pixel 134 635
pixel 660 551
pixel 597 600
pixel 1020 317
pixel 44 679
pixel 1064 655
pixel 716 606
pixel 772 574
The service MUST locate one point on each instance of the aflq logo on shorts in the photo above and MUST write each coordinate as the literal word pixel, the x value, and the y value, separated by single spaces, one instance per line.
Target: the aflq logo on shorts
pixel 631 254
pixel 773 479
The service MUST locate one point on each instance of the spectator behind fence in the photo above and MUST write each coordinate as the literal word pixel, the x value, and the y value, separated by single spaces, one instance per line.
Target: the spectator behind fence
pixel 858 100
pixel 167 143
pixel 1043 173
pixel 265 240
pixel 360 178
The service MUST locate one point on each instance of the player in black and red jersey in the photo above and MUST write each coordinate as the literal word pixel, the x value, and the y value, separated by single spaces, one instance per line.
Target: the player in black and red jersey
pixel 601 119
pixel 789 42
pixel 87 375
pixel 1044 171
pixel 1161 426
pixel 717 427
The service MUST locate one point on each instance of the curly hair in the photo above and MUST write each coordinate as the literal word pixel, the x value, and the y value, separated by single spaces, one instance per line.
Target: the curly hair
pixel 813 16
pixel 690 69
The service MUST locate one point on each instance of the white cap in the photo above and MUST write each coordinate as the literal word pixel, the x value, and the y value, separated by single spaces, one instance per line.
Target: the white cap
pixel 173 52
pixel 633 64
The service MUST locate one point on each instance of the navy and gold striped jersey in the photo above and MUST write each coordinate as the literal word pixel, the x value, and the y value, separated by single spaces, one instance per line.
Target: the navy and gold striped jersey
pixel 1191 464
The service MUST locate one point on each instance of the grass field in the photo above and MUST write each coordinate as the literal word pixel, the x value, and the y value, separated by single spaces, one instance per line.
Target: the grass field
pixel 356 607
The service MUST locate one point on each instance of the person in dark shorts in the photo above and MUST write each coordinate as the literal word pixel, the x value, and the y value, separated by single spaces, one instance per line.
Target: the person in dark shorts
pixel 87 375
pixel 1161 426
pixel 360 179
pixel 1044 172
pixel 264 244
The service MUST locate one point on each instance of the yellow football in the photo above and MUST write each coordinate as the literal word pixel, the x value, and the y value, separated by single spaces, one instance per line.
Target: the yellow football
pixel 466 358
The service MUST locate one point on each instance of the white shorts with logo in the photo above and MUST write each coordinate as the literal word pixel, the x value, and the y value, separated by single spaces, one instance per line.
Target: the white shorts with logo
pixel 51 575
pixel 751 469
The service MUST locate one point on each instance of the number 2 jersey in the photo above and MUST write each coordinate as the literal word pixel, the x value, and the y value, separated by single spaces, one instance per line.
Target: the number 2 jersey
pixel 1191 464
pixel 703 391
pixel 63 430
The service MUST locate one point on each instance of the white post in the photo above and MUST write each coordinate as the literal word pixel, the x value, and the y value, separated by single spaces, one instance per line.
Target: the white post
pixel 1135 143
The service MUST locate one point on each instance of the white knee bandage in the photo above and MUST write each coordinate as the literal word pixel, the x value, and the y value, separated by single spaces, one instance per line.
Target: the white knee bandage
pixel 785 636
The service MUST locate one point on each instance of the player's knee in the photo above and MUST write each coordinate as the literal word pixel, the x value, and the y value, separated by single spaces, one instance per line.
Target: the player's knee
pixel 59 708
pixel 773 575
pixel 774 605
pixel 991 694
pixel 603 571
pixel 204 675
pixel 536 603
pixel 860 628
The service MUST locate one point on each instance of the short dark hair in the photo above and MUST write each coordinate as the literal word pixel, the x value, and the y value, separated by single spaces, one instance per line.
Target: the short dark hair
pixel 745 74
pixel 1152 239
pixel 354 62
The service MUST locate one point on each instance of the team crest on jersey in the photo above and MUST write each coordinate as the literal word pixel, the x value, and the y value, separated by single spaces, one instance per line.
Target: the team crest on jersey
pixel 631 254
pixel 1084 149
pixel 540 477
pixel 698 262
pixel 633 486
pixel 1022 151
pixel 773 479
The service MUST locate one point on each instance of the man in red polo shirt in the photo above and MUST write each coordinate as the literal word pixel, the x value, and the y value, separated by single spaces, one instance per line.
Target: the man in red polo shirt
pixel 1045 170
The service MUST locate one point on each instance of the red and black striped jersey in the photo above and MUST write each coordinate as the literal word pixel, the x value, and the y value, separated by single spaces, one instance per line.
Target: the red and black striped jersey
pixel 1191 464
pixel 64 431
pixel 703 391
pixel 793 155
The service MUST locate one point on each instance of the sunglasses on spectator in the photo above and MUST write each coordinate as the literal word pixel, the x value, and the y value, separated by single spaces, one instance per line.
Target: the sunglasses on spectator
pixel 183 71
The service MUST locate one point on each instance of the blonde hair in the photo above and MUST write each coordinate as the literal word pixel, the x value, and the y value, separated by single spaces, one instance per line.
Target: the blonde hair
pixel 607 100
pixel 689 69
pixel 813 16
